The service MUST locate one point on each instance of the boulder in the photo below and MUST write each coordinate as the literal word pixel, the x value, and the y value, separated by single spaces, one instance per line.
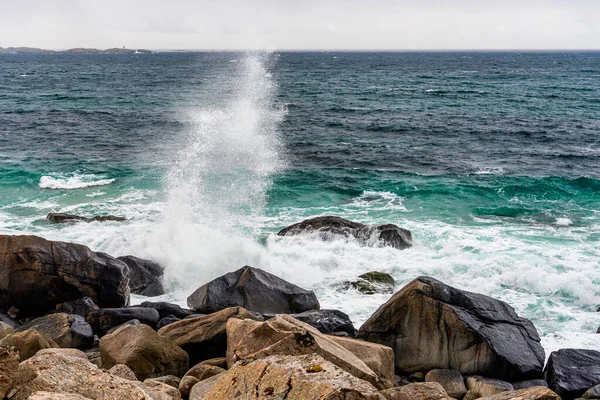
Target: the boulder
pixel 37 274
pixel 171 392
pixel 372 282
pixel 592 393
pixel 27 343
pixel 62 351
pixel 123 371
pixel 326 321
pixel 104 319
pixel 80 306
pixel 451 380
pixel 186 385
pixel 204 337
pixel 61 218
pixel 9 363
pixel 530 383
pixel 57 396
pixel 145 276
pixel 416 391
pixel 571 372
pixel 131 322
pixel 283 335
pixel 57 372
pixel 431 325
pixel 329 227
pixel 10 321
pixel 166 321
pixel 202 371
pixel 289 377
pixel 167 309
pixel 532 393
pixel 170 380
pixel 255 290
pixel 144 351
pixel 217 362
pixel 200 389
pixel 481 387
pixel 5 330
pixel 66 330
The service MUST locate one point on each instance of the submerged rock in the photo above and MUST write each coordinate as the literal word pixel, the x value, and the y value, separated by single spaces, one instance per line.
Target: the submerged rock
pixel 60 218
pixel 431 325
pixel 328 227
pixel 145 277
pixel 255 290
pixel 326 321
pixel 288 377
pixel 372 282
pixel 66 330
pixel 571 372
pixel 37 274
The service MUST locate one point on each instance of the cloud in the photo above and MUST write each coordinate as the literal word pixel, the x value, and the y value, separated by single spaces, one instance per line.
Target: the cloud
pixel 302 24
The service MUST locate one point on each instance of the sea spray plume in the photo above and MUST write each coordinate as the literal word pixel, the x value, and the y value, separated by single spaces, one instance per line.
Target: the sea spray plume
pixel 217 186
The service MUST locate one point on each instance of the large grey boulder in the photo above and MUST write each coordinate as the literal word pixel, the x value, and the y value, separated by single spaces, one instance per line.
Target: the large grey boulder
pixel 328 227
pixel 254 290
pixel 571 372
pixel 146 277
pixel 66 330
pixel 431 325
pixel 37 274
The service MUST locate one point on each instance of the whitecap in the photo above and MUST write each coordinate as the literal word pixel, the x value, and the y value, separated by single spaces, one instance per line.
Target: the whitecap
pixel 563 222
pixel 75 181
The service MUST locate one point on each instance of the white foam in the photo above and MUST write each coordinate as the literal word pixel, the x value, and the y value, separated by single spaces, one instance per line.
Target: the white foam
pixel 74 181
pixel 563 222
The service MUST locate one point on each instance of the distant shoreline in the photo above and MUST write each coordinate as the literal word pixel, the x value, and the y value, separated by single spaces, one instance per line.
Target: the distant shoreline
pixel 78 50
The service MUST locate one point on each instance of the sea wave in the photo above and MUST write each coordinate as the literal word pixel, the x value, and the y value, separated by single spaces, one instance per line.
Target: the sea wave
pixel 75 181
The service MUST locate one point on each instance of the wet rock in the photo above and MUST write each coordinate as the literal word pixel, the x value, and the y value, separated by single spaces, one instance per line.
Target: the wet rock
pixel 299 377
pixel 326 321
pixel 329 227
pixel 145 276
pixel 481 387
pixel 166 321
pixel 431 325
pixel 61 218
pixel 9 363
pixel 204 337
pixel 5 330
pixel 451 380
pixel 80 306
pixel 60 373
pixel 417 391
pixel 144 351
pixel 255 290
pixel 283 335
pixel 37 274
pixel 371 283
pixel 104 319
pixel 27 343
pixel 167 309
pixel 571 372
pixel 66 330
pixel 123 371
pixel 532 393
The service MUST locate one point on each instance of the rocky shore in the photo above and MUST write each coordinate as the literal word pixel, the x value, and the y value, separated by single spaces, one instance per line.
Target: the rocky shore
pixel 67 331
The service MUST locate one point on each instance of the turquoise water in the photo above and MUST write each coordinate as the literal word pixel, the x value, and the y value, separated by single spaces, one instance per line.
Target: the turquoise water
pixel 491 160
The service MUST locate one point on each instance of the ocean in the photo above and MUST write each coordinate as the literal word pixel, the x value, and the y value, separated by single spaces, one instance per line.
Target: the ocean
pixel 492 160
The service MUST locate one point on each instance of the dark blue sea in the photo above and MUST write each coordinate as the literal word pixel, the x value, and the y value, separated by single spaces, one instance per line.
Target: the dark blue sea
pixel 492 160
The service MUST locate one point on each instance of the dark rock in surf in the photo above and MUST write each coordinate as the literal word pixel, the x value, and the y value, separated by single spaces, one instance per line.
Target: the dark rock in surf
pixel 571 372
pixel 255 290
pixel 66 330
pixel 431 325
pixel 326 321
pixel 78 307
pixel 145 276
pixel 328 227
pixel 37 274
pixel 61 218
pixel 167 309
pixel 371 283
pixel 104 319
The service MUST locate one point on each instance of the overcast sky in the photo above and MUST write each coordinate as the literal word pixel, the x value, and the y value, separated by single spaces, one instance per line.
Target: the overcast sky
pixel 302 24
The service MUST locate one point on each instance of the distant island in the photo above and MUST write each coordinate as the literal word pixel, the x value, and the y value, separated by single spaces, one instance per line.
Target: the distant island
pixel 78 50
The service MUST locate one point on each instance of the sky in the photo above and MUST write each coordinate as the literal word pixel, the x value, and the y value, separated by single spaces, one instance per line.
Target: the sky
pixel 302 24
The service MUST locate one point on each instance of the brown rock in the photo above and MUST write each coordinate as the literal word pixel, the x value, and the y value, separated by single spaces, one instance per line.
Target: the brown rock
pixel 532 393
pixel 200 389
pixel 204 371
pixel 144 351
pixel 37 274
pixel 9 362
pixel 290 377
pixel 451 380
pixel 123 371
pixel 417 391
pixel 27 343
pixel 170 380
pixel 284 335
pixel 60 373
pixel 65 352
pixel 431 325
pixel 57 396
pixel 186 384
pixel 204 337
pixel 170 391
pixel 481 387
pixel 5 330
pixel 217 362
pixel 66 330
